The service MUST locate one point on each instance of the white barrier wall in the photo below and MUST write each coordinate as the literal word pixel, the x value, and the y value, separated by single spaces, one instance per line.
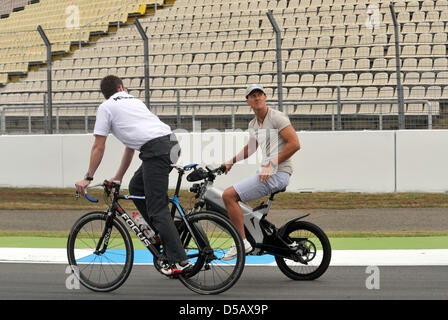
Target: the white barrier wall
pixel 422 161
pixel 365 161
pixel 345 161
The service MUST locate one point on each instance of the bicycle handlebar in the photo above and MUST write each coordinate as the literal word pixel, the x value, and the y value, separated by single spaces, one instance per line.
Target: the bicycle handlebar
pixel 87 197
pixel 109 185
pixel 106 184
pixel 91 199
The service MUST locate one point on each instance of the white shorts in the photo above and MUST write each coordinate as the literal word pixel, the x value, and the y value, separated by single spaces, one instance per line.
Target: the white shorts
pixel 252 188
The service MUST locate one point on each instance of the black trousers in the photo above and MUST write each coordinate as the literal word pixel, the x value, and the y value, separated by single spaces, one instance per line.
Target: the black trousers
pixel 151 180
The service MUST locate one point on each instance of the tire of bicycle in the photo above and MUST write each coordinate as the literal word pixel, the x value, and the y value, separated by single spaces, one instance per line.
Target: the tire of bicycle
pixel 195 280
pixel 129 258
pixel 326 248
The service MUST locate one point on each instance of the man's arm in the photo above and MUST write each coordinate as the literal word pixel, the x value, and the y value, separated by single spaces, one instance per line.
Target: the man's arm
pixel 247 151
pixel 125 163
pixel 292 145
pixel 96 155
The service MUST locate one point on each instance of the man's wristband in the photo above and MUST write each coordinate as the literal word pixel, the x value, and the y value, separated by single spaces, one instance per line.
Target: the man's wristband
pixel 273 165
pixel 86 177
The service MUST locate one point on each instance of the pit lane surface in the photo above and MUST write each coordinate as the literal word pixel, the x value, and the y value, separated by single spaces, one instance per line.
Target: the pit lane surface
pixel 48 282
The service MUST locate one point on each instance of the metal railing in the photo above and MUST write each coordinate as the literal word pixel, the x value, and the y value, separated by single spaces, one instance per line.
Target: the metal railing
pixel 225 115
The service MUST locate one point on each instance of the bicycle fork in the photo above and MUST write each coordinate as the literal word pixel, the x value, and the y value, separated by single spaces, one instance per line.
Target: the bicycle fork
pixel 105 235
pixel 200 238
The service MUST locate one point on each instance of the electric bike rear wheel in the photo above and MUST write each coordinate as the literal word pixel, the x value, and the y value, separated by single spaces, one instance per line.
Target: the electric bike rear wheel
pixel 312 252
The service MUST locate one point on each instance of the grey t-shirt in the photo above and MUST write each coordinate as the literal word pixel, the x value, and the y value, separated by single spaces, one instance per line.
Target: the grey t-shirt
pixel 269 138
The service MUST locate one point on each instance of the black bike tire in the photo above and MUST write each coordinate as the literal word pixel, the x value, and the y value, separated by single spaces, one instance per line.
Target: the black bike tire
pixel 326 247
pixel 239 265
pixel 101 215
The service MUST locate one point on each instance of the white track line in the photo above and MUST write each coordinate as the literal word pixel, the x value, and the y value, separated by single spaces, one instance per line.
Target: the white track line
pixel 408 257
pixel 429 257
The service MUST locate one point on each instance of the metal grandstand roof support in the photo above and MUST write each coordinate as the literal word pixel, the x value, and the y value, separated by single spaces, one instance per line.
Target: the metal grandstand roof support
pixel 401 121
pixel 233 117
pixel 278 37
pixel 45 116
pixel 339 107
pixel 146 58
pixel 49 87
pixel 2 121
pixel 178 117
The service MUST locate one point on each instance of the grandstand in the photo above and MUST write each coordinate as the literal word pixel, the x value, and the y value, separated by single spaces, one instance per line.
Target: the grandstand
pixel 204 53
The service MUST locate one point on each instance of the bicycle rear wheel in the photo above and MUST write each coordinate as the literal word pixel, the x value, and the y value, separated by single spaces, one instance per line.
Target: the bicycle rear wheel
pixel 312 247
pixel 96 268
pixel 214 235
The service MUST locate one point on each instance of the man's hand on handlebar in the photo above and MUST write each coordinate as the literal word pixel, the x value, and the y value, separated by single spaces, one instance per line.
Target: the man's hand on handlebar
pixel 81 187
pixel 228 166
pixel 114 180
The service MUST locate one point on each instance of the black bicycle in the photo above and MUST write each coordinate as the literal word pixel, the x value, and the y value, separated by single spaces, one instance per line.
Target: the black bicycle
pixel 101 251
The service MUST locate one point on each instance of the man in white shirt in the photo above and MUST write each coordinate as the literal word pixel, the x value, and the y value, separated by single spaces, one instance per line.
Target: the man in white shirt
pixel 130 121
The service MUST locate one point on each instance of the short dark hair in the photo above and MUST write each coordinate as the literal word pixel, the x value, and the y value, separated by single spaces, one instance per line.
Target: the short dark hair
pixel 110 85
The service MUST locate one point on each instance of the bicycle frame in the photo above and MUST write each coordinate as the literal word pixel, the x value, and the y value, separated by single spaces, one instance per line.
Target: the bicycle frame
pixel 262 234
pixel 116 209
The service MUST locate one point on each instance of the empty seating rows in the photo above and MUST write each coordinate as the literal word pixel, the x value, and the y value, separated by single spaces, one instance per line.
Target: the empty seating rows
pixel 293 79
pixel 238 75
pixel 8 6
pixel 383 109
pixel 210 50
pixel 166 27
pixel 20 43
pixel 92 95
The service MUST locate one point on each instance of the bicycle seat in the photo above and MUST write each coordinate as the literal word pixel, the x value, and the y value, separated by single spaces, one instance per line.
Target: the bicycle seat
pixel 273 194
pixel 193 165
pixel 184 168
pixel 283 190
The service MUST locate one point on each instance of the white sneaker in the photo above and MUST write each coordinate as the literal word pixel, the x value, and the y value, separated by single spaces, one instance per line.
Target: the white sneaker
pixel 231 253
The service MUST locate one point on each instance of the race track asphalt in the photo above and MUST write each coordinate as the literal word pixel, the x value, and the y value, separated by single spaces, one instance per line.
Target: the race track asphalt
pixel 48 282
pixel 260 283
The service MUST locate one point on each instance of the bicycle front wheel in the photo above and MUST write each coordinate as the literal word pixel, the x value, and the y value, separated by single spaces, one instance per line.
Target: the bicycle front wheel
pixel 100 253
pixel 212 236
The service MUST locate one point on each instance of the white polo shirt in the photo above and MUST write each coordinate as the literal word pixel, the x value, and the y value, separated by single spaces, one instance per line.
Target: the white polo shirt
pixel 129 120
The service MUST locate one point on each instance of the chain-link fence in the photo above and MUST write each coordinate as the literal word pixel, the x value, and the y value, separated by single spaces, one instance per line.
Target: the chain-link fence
pixel 353 115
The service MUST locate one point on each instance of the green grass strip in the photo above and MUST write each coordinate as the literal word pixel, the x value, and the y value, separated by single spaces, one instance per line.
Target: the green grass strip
pixel 64 199
pixel 337 243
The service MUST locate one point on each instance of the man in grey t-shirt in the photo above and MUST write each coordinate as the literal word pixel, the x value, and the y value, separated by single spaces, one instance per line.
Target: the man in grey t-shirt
pixel 272 130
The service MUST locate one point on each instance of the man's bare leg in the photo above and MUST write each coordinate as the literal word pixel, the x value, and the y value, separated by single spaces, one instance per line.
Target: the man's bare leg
pixel 234 210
